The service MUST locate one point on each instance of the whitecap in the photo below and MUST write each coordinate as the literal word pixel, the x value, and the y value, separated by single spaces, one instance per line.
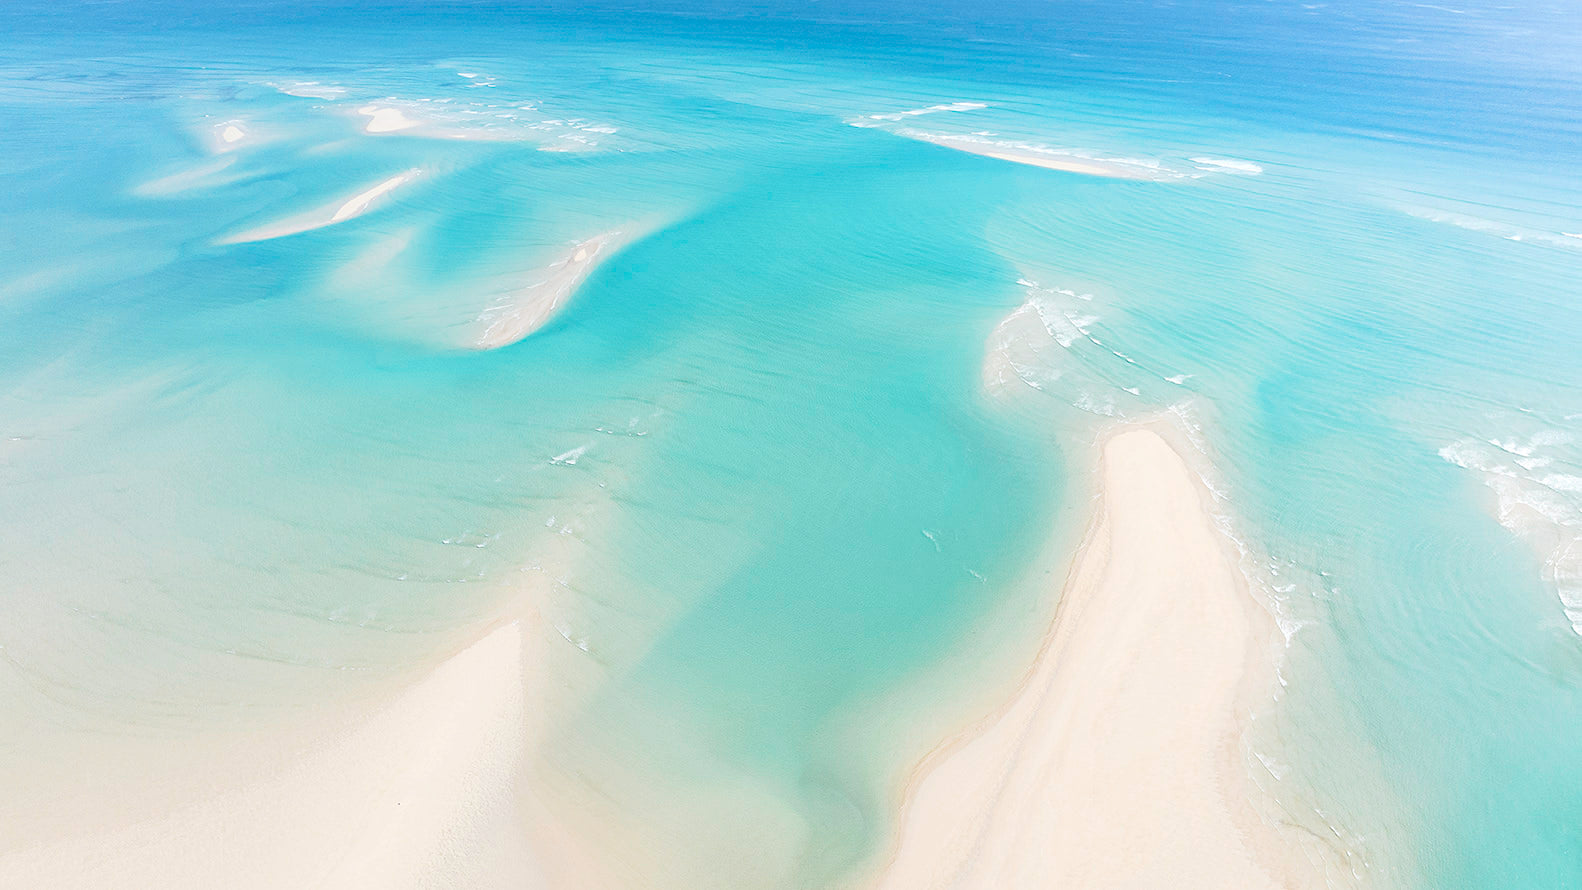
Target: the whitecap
pixel 569 458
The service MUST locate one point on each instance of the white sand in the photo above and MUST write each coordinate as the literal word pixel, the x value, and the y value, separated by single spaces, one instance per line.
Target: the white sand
pixel 419 795
pixel 525 310
pixel 1117 763
pixel 435 777
pixel 228 136
pixel 359 205
pixel 385 120
pixel 327 215
pixel 1112 169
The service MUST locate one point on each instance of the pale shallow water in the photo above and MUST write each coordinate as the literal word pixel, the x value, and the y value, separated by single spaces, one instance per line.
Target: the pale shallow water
pixel 238 474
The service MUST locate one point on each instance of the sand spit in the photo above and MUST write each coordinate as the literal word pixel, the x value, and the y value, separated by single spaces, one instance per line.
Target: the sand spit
pixel 1117 763
pixel 327 215
pixel 1111 168
pixel 523 311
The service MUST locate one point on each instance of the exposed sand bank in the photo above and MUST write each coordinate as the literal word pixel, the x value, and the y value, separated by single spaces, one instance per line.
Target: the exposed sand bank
pixel 1118 762
pixel 1070 163
pixel 385 120
pixel 524 310
pixel 327 215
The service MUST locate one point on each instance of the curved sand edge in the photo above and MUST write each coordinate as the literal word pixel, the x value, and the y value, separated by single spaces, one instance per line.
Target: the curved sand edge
pixel 522 311
pixel 329 214
pixel 421 793
pixel 1117 763
pixel 1106 168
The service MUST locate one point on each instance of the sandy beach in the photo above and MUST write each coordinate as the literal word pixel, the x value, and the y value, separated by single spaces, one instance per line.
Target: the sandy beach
pixel 1118 761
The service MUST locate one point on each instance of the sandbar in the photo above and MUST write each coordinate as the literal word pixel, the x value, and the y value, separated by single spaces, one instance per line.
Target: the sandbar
pixel 327 215
pixel 524 310
pixel 1069 163
pixel 1117 762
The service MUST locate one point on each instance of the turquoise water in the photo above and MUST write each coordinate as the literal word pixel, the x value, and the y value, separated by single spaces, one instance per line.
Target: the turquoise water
pixel 236 477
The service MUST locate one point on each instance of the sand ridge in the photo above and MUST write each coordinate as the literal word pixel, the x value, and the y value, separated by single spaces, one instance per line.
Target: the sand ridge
pixel 1116 764
pixel 522 311
pixel 328 215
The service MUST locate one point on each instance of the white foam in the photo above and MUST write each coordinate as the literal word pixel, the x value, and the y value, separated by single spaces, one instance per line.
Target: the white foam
pixel 1496 228
pixel 1562 482
pixel 1102 407
pixel 988 144
pixel 1228 165
pixel 931 109
pixel 1277 770
pixel 1020 350
pixel 1544 510
pixel 569 458
pixel 311 89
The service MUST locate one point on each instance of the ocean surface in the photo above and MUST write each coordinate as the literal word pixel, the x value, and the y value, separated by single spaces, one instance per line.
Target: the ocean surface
pixel 809 432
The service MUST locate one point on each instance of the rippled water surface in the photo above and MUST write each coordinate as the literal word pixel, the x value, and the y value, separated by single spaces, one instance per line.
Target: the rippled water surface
pixel 822 387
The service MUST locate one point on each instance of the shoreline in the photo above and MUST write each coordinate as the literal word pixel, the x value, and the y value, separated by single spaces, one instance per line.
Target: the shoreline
pixel 1156 647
